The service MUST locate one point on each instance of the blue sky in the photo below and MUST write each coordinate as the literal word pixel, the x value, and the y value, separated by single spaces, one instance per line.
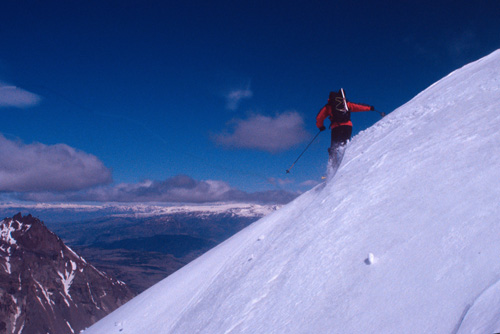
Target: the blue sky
pixel 194 101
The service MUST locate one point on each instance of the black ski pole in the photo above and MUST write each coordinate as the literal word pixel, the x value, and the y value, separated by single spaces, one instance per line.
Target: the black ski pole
pixel 288 170
pixel 382 114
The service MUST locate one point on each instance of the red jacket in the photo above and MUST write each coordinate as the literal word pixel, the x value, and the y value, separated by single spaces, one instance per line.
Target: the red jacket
pixel 326 111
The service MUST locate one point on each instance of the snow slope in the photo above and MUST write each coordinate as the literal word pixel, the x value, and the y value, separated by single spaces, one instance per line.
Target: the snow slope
pixel 404 238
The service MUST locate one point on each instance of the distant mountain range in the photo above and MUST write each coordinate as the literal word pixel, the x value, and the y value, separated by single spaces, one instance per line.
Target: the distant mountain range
pixel 67 212
pixel 45 287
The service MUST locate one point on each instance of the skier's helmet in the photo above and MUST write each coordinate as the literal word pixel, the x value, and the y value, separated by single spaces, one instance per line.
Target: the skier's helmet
pixel 332 95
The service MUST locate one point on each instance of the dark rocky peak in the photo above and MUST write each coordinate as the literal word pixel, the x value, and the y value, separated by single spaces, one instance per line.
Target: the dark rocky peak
pixel 45 287
pixel 29 233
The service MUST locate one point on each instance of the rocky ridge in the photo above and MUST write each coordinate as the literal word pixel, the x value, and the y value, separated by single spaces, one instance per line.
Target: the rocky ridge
pixel 45 287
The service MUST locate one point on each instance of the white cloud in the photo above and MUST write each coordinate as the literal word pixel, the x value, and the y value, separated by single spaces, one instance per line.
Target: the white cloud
pixel 272 134
pixel 40 167
pixel 12 96
pixel 178 189
pixel 234 98
pixel 279 181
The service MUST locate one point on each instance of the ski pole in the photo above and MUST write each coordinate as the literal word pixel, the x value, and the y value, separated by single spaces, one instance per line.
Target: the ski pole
pixel 382 114
pixel 288 170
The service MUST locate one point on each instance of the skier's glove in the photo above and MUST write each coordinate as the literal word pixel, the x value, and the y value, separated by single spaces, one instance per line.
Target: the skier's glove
pixel 322 128
pixel 372 108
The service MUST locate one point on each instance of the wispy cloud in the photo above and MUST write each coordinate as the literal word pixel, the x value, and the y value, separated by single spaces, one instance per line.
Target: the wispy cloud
pixel 12 96
pixel 279 181
pixel 272 134
pixel 40 167
pixel 234 97
pixel 178 189
pixel 309 183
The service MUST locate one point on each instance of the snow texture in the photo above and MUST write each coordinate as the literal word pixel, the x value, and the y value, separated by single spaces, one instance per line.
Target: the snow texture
pixel 6 232
pixel 68 277
pixel 418 193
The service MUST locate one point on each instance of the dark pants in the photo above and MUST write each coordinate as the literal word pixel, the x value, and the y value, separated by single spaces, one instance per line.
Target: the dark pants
pixel 340 135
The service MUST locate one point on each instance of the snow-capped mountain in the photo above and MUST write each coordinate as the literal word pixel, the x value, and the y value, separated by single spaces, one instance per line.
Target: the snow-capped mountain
pixel 64 212
pixel 403 239
pixel 45 287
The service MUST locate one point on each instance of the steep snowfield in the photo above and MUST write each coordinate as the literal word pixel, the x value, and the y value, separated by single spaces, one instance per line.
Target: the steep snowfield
pixel 404 239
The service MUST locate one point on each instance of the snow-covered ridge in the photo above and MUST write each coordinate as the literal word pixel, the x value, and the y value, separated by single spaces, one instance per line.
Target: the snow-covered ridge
pixel 403 239
pixel 141 210
pixel 240 209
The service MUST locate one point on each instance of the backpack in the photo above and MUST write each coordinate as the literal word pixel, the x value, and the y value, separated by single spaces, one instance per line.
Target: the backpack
pixel 338 103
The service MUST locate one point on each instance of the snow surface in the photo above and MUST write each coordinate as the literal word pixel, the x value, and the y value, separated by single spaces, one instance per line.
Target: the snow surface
pixel 403 239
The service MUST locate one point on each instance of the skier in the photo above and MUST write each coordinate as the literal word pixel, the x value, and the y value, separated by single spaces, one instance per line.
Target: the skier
pixel 338 109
